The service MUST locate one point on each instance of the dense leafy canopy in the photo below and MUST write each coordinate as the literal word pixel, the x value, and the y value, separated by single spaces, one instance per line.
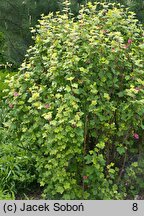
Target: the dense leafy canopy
pixel 74 115
pixel 19 15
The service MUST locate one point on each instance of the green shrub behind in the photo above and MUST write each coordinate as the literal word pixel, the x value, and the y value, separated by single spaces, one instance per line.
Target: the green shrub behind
pixel 76 105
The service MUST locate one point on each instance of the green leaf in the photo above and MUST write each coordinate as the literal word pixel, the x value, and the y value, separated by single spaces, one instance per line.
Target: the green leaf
pixel 101 145
pixel 70 78
pixel 60 189
pixel 67 185
pixel 121 150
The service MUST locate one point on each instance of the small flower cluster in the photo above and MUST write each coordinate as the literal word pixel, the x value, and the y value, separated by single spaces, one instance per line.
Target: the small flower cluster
pixel 85 177
pixel 129 42
pixel 47 106
pixel 137 89
pixel 136 136
pixel 10 105
pixel 16 94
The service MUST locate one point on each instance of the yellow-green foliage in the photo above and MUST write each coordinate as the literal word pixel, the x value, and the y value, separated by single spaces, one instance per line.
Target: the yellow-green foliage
pixel 3 85
pixel 4 195
pixel 75 109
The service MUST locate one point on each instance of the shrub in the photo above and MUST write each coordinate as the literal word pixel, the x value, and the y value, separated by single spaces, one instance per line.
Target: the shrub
pixel 76 105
